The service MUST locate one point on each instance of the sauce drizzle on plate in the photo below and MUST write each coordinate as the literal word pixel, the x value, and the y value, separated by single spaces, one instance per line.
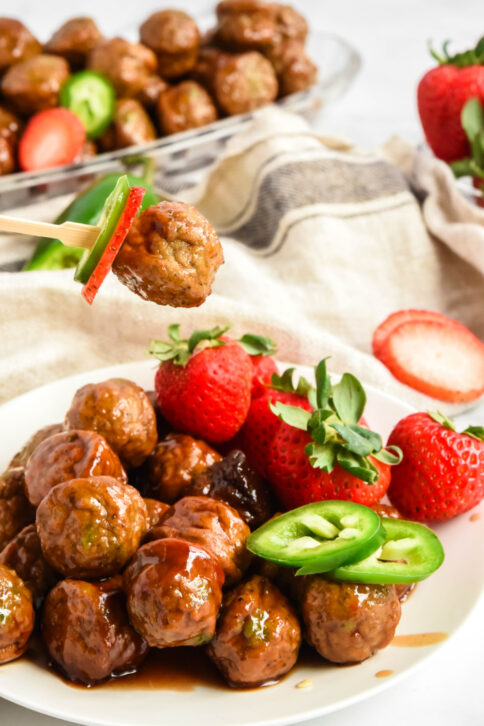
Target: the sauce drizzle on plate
pixel 418 640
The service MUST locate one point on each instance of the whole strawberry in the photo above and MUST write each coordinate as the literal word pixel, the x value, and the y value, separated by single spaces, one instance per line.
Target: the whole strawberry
pixel 261 423
pixel 203 383
pixel 318 449
pixel 442 94
pixel 442 471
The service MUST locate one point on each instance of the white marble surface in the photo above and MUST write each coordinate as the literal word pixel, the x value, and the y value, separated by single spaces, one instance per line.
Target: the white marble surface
pixel 392 37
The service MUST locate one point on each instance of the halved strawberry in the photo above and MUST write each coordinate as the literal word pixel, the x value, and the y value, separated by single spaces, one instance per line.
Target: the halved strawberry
pixel 131 209
pixel 404 316
pixel 441 360
pixel 51 138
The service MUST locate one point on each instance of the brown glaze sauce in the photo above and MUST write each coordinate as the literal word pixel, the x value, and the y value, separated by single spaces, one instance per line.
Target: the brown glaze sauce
pixel 418 640
pixel 474 517
pixel 383 674
pixel 172 669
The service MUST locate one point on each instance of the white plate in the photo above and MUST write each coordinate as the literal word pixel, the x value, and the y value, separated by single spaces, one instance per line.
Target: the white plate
pixel 440 604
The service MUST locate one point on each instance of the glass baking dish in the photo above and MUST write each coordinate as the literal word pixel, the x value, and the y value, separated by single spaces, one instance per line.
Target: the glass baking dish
pixel 179 157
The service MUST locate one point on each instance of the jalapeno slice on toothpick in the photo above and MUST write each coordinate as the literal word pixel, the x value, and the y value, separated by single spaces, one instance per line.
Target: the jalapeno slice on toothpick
pixel 315 537
pixel 410 552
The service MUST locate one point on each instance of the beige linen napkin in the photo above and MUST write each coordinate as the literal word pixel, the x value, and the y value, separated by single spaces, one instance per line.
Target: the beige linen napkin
pixel 322 242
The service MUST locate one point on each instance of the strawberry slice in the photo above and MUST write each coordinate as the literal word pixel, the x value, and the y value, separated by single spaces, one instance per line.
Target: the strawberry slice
pixel 131 209
pixel 441 360
pixel 404 316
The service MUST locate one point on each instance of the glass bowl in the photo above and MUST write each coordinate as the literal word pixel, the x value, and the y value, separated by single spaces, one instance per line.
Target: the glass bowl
pixel 179 156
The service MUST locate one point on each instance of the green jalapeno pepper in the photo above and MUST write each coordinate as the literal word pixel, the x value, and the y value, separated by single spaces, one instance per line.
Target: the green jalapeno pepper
pixel 92 98
pixel 410 552
pixel 318 535
pixel 87 207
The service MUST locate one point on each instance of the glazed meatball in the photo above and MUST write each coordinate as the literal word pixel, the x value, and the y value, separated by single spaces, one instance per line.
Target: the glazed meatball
pixel 185 106
pixel 173 463
pixel 156 510
pixel 131 67
pixel 290 24
pixel 295 70
pixel 131 126
pixel 258 635
pixel 87 632
pixel 69 455
pixel 174 591
pixel 16 615
pixel 22 456
pixel 244 82
pixel 16 42
pixel 234 482
pixel 120 411
pixel 15 509
pixel 170 256
pixel 174 37
pixel 74 40
pixel 246 24
pixel 7 157
pixel 347 623
pixel 90 528
pixel 33 84
pixel 24 555
pixel 213 525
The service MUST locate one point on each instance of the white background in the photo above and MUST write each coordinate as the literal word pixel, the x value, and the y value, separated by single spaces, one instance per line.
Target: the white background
pixel 392 37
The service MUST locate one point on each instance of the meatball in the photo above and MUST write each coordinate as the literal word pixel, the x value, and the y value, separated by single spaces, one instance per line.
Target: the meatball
pixel 69 455
pixel 24 555
pixel 347 623
pixel 244 82
pixel 185 106
pixel 8 160
pixel 156 510
pixel 15 509
pixel 16 615
pixel 173 463
pixel 174 37
pixel 16 42
pixel 33 85
pixel 246 24
pixel 120 411
pixel 131 67
pixel 87 632
pixel 131 125
pixel 90 528
pixel 234 482
pixel 258 635
pixel 290 24
pixel 22 456
pixel 295 70
pixel 170 256
pixel 74 40
pixel 174 591
pixel 213 525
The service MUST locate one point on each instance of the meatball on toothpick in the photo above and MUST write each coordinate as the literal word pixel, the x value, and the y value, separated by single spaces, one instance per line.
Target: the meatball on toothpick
pixel 170 256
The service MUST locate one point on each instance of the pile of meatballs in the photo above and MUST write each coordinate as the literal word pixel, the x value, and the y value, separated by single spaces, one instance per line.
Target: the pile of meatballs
pixel 118 535
pixel 174 79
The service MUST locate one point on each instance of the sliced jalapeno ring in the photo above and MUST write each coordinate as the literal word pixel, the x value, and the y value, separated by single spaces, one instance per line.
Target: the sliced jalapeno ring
pixel 410 552
pixel 113 209
pixel 316 536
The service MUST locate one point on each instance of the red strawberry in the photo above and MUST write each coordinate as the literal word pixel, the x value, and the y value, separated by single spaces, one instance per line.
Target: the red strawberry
pixel 310 454
pixel 264 368
pixel 51 138
pixel 441 360
pixel 261 425
pixel 441 474
pixel 203 384
pixel 296 482
pixel 442 94
pixel 404 316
